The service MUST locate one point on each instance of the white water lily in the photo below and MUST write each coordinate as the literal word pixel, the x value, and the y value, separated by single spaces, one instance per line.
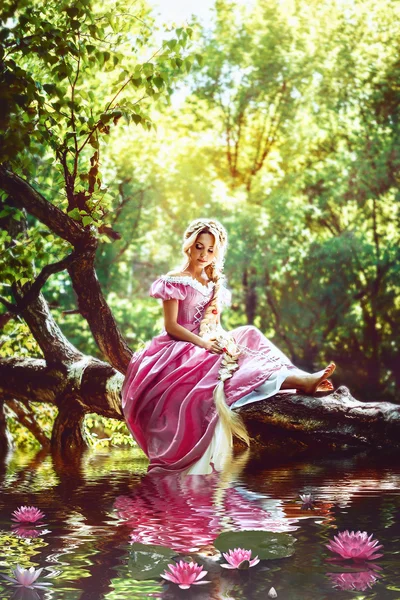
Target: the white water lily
pixel 27 578
pixel 272 593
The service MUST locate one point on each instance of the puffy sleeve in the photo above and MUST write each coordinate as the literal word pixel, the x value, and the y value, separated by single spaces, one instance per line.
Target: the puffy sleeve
pixel 167 289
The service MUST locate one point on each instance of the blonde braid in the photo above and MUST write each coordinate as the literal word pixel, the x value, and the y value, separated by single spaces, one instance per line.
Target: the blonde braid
pixel 209 325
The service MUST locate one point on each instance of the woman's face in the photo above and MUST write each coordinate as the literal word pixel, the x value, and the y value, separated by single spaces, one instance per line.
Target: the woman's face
pixel 203 251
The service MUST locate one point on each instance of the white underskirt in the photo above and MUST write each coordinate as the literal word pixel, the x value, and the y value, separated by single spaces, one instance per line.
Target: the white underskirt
pixel 220 448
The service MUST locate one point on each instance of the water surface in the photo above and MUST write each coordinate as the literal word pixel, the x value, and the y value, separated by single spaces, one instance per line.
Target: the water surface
pixel 98 506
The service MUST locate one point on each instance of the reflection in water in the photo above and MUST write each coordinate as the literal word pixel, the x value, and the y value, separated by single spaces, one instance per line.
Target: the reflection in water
pixel 99 503
pixel 25 594
pixel 28 530
pixel 188 513
pixel 359 581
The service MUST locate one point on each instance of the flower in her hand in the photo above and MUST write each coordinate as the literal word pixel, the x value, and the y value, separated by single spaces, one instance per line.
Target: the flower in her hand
pixel 27 514
pixel 26 578
pixel 356 545
pixel 239 559
pixel 185 574
pixel 308 501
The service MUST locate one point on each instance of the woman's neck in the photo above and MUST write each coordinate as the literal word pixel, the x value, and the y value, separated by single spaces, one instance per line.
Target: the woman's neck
pixel 196 273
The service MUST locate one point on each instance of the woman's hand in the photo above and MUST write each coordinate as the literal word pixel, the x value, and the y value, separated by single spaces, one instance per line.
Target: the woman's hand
pixel 213 346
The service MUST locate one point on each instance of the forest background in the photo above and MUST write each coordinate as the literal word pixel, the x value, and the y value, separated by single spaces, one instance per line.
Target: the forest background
pixel 288 133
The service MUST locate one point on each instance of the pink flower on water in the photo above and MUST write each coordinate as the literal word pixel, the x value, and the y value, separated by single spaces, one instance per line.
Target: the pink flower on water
pixel 26 578
pixel 239 559
pixel 354 581
pixel 185 574
pixel 356 545
pixel 27 514
pixel 308 501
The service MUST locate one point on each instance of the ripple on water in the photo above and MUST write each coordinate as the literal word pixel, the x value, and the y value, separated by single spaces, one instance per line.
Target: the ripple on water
pixel 95 508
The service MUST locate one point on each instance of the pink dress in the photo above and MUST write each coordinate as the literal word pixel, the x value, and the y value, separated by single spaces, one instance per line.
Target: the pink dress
pixel 167 394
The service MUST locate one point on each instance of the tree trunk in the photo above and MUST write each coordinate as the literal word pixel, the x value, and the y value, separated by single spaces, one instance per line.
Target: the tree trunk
pixel 87 385
pixel 285 422
pixel 250 295
pixel 68 435
pixel 291 422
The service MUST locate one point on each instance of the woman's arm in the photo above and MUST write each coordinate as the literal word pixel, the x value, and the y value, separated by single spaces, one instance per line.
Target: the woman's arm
pixel 181 333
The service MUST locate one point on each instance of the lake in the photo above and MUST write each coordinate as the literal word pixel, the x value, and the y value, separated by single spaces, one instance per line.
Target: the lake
pixel 104 514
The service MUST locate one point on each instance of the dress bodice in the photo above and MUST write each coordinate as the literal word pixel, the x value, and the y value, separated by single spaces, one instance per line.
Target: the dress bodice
pixel 193 297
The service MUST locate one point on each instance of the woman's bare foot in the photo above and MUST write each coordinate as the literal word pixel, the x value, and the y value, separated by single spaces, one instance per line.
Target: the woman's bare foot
pixel 325 386
pixel 309 383
pixel 319 380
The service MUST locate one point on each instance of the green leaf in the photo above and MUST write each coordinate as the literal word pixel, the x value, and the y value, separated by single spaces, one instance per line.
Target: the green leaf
pixel 148 562
pixel 87 221
pixel 74 214
pixel 188 64
pixel 159 82
pixel 148 69
pixel 50 88
pixel 171 44
pixel 264 544
pixel 106 117
pixel 72 11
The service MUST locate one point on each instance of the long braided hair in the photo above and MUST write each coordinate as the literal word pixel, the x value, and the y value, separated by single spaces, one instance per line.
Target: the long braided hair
pixel 231 421
pixel 214 271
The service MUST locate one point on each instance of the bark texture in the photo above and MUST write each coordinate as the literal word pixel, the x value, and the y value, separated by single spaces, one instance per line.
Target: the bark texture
pixel 291 422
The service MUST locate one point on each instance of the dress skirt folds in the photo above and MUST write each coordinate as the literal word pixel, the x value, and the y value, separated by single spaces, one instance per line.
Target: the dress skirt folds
pixel 167 394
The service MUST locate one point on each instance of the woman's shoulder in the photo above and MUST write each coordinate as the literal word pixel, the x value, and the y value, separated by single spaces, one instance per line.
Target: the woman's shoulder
pixel 168 287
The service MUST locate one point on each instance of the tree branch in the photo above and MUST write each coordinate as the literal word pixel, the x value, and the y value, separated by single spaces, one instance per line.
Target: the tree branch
pixel 60 223
pixel 27 418
pixel 36 286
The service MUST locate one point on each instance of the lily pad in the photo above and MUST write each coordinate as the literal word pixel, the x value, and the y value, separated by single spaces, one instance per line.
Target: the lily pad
pixel 148 561
pixel 264 544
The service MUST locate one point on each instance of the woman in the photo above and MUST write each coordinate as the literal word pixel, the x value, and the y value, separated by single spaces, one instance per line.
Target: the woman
pixel 180 389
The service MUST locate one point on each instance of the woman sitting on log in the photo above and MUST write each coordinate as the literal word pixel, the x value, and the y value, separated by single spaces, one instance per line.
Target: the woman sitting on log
pixel 180 390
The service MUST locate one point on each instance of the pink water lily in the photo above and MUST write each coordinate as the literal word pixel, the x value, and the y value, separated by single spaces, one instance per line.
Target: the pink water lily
pixel 355 545
pixel 26 578
pixel 27 514
pixel 308 501
pixel 185 574
pixel 239 559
